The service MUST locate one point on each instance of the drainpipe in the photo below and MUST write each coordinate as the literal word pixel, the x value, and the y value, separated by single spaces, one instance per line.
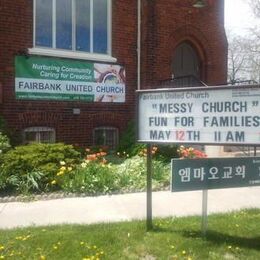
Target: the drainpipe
pixel 138 44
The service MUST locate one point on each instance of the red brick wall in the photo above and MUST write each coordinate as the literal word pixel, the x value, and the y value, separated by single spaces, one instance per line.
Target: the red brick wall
pixel 165 23
pixel 168 23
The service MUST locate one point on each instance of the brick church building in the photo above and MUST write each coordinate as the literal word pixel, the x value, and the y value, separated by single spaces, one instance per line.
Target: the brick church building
pixel 69 69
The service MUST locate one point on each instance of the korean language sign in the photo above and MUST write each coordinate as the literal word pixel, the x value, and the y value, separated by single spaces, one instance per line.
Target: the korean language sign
pixel 215 173
pixel 43 78
pixel 219 115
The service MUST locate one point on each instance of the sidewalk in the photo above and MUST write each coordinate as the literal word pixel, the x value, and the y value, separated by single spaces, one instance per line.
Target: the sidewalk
pixel 124 207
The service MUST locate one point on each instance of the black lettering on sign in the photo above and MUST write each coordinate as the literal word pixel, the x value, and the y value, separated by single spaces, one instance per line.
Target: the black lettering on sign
pixel 159 135
pixel 235 136
pixel 158 121
pixel 193 135
pixel 217 136
pixel 184 121
pixel 175 108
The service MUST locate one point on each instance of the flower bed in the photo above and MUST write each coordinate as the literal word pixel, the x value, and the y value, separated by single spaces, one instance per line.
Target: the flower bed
pixel 47 168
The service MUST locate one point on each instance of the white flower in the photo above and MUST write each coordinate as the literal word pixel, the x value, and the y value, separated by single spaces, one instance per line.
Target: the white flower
pixel 84 165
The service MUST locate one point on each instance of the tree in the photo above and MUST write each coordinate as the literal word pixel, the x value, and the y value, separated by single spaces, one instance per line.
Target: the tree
pixel 243 60
pixel 244 53
pixel 236 59
pixel 255 6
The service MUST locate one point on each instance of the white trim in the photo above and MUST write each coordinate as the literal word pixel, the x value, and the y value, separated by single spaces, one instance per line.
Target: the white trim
pixel 54 24
pixel 139 24
pixel 37 131
pixel 91 6
pixel 71 54
pixel 109 27
pixel 73 25
pixel 34 21
pixel 104 128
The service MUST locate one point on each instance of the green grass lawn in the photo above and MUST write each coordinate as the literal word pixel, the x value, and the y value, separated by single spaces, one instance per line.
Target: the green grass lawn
pixel 230 236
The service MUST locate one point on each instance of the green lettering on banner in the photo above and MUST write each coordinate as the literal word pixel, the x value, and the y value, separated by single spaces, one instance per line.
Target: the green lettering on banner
pixel 53 68
pixel 55 96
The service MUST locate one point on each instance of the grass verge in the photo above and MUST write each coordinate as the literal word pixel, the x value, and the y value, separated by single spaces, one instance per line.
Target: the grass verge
pixel 230 236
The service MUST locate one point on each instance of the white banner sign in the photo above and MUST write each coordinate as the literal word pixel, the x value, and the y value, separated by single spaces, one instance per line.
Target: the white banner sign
pixel 220 115
pixel 45 78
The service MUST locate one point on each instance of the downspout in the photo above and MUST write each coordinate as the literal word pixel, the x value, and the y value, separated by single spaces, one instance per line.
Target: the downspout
pixel 138 44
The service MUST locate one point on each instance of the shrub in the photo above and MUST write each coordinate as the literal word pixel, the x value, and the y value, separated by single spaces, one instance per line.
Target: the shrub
pixel 4 147
pixel 4 143
pixel 45 167
pixel 167 152
pixel 34 163
pixel 31 181
pixel 91 177
pixel 132 174
pixel 95 175
pixel 128 145
pixel 190 153
pixel 127 142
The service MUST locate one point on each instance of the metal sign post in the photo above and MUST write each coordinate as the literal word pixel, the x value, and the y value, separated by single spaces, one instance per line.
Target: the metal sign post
pixel 149 218
pixel 204 222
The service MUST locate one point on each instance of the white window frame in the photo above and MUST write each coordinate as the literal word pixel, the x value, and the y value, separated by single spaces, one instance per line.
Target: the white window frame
pixel 54 52
pixel 37 130
pixel 107 128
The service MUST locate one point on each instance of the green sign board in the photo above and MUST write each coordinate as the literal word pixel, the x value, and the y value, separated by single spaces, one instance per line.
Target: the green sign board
pixel 215 173
pixel 45 78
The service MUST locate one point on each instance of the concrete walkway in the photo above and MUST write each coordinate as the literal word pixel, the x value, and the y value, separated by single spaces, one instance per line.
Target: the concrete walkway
pixel 123 207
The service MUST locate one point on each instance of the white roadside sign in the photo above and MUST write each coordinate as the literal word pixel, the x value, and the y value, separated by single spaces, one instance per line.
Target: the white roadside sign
pixel 208 115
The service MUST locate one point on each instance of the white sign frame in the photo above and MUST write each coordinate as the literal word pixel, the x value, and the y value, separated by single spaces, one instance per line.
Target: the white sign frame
pixel 223 115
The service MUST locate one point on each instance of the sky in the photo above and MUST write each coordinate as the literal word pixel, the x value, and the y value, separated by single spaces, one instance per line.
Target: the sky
pixel 238 16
